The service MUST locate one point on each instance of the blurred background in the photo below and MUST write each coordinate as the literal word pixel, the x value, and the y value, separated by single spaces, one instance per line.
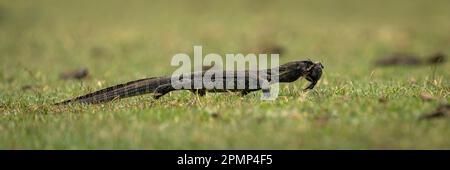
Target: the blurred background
pixel 137 38
pixel 44 44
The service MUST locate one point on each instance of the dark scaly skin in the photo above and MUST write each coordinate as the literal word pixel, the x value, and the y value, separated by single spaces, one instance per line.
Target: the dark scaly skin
pixel 160 86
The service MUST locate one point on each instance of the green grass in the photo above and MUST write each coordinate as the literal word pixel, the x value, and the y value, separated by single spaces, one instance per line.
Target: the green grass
pixel 120 41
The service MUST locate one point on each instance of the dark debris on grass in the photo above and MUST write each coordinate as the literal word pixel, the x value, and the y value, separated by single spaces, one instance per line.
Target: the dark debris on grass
pixel 75 74
pixel 408 59
pixel 442 111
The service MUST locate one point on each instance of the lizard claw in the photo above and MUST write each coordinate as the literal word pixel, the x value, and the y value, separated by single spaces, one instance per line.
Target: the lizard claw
pixel 310 86
pixel 157 95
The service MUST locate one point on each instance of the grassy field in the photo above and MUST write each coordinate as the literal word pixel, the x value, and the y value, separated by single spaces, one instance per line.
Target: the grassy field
pixel 355 105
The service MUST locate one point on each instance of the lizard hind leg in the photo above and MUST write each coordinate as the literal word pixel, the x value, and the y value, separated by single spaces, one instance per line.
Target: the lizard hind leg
pixel 162 90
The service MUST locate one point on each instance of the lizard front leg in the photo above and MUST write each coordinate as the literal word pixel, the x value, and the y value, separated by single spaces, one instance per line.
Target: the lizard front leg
pixel 310 86
pixel 200 92
pixel 245 92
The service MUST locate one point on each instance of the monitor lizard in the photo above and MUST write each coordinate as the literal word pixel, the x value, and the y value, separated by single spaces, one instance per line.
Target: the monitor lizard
pixel 160 86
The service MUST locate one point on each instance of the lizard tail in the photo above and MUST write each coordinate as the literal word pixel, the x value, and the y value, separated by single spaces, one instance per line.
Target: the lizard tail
pixel 129 89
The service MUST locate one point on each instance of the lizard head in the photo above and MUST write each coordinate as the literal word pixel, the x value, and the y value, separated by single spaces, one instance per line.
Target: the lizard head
pixel 292 71
pixel 313 74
